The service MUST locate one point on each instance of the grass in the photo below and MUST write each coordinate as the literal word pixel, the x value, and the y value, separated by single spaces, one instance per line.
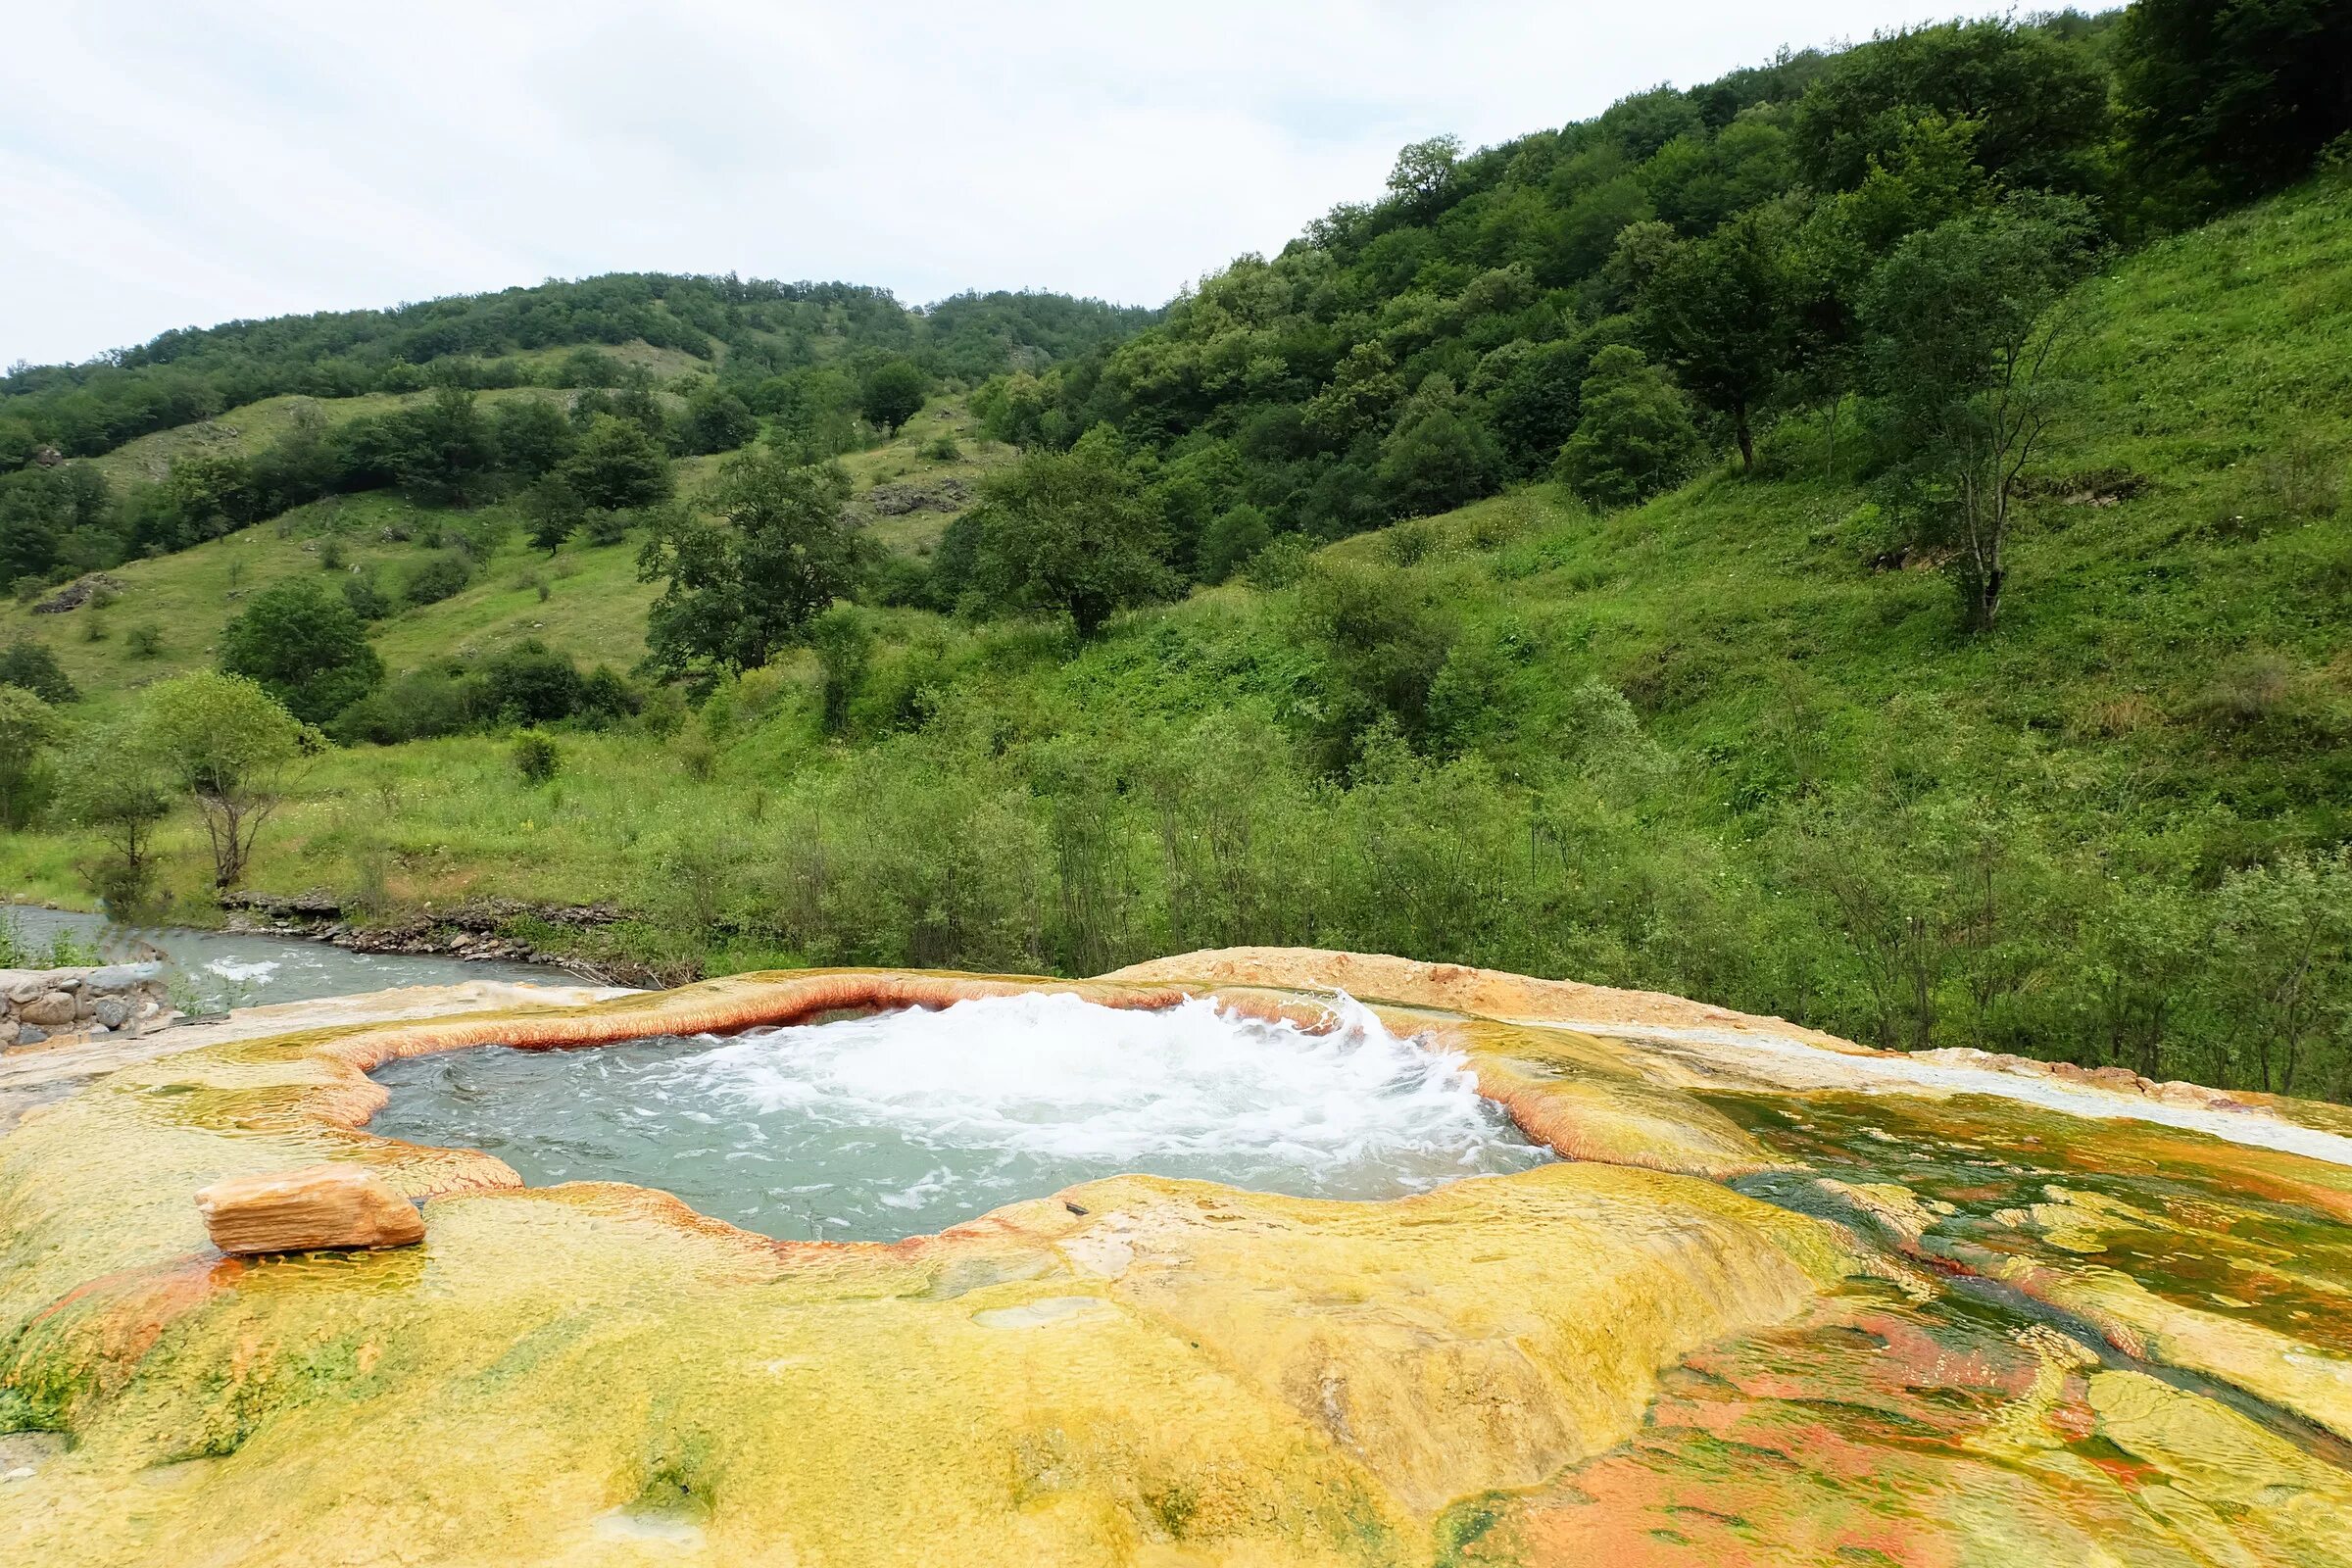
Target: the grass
pixel 593 609
pixel 2168 697
pixel 244 432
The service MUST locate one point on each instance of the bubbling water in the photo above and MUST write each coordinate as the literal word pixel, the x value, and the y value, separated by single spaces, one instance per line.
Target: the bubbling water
pixel 905 1122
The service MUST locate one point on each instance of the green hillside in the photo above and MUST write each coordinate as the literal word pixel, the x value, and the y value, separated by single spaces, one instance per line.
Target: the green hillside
pixel 593 604
pixel 1865 539
pixel 1704 744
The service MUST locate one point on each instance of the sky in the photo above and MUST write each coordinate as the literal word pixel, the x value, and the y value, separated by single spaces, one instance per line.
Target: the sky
pixel 180 162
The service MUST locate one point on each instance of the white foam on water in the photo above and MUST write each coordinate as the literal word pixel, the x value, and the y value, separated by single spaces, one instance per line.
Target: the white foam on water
pixel 1059 1078
pixel 241 970
pixel 905 1122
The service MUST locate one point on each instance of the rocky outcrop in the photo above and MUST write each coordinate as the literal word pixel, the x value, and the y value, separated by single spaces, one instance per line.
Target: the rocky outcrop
pixel 477 930
pixel 81 591
pixel 40 1005
pixel 898 500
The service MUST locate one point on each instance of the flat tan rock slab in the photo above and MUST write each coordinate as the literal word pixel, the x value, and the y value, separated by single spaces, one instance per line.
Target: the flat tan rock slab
pixel 317 1209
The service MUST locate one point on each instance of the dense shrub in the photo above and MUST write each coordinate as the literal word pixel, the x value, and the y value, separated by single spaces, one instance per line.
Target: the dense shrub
pixel 437 577
pixel 32 666
pixel 303 648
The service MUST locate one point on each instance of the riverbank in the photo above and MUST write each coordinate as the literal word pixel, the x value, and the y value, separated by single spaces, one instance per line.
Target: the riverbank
pixel 246 963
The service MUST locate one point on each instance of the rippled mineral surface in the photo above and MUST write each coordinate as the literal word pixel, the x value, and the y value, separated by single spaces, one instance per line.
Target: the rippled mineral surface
pixel 1778 1301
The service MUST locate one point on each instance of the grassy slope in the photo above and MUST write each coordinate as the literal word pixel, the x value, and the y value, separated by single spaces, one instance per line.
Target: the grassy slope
pixel 1741 615
pixel 244 431
pixel 594 609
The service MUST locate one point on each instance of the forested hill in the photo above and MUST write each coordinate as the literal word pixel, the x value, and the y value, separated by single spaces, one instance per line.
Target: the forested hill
pixel 1705 257
pixel 1867 540
pixel 745 329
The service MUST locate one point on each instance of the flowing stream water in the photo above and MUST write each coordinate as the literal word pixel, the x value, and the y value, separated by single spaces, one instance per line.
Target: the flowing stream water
pixel 215 970
pixel 901 1123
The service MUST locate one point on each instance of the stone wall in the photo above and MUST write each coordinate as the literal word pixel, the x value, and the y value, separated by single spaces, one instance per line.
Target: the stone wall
pixel 43 1004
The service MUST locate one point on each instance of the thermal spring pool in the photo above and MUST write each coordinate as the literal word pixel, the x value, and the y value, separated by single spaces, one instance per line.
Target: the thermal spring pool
pixel 905 1122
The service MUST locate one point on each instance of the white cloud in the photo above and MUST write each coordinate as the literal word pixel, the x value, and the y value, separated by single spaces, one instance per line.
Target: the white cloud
pixel 170 163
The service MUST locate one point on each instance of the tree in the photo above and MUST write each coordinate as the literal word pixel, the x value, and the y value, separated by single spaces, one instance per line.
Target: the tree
pixel 553 512
pixel 306 650
pixel 2285 939
pixel 1231 539
pixel 115 782
pixel 44 511
pixel 1424 173
pixel 618 465
pixel 1963 328
pixel 228 743
pixel 1722 311
pixel 1066 533
pixel 844 651
pixel 532 437
pixel 717 421
pixel 28 728
pixel 1439 456
pixel 893 394
pixel 2039 103
pixel 34 668
pixel 442 446
pixel 1634 437
pixel 736 594
pixel 1532 404
pixel 2227 101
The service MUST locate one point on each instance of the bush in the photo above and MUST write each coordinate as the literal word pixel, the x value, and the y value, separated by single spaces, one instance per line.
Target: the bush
pixel 605 695
pixel 607 527
pixel 441 576
pixel 1634 437
pixel 440 699
pixel 307 651
pixel 366 598
pixel 698 756
pixel 2245 691
pixel 145 640
pixel 530 683
pixel 1282 562
pixel 536 758
pixel 845 652
pixel 34 668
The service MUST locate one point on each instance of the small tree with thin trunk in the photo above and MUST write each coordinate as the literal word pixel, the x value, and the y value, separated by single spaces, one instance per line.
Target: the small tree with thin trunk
pixel 1965 329
pixel 1723 312
pixel 115 783
pixel 28 728
pixel 233 748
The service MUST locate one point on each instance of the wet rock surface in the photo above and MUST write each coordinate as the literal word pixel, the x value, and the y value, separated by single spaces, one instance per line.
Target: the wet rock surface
pixel 1787 1301
pixel 477 931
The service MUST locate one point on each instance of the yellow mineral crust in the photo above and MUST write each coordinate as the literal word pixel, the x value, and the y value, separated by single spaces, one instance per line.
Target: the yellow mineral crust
pixel 1549 1367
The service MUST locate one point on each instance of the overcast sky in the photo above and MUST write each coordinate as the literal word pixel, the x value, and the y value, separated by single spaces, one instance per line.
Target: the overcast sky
pixel 175 163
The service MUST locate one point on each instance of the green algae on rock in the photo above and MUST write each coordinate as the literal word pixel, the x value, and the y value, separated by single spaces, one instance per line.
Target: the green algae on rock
pixel 1764 1311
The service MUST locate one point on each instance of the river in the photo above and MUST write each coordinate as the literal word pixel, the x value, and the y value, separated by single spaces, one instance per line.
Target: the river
pixel 216 970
